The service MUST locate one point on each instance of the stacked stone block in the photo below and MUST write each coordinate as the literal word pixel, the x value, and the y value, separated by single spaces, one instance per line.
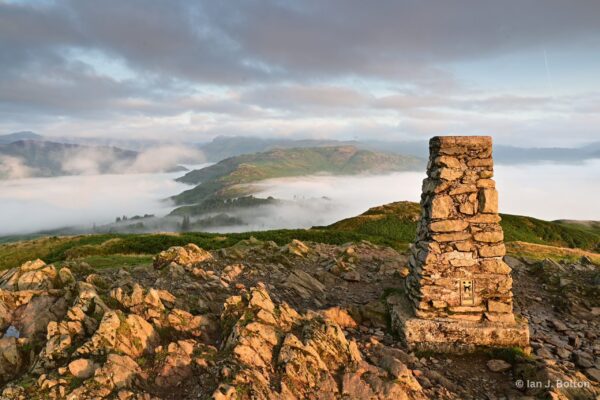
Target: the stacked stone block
pixel 457 271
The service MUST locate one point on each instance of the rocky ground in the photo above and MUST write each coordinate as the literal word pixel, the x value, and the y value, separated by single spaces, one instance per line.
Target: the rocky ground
pixel 303 321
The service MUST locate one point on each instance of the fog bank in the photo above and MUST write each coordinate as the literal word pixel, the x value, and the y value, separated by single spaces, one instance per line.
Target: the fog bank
pixel 546 191
pixel 33 204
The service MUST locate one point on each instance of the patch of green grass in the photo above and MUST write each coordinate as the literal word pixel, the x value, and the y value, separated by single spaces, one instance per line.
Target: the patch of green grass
pixel 124 247
pixel 398 222
pixel 117 260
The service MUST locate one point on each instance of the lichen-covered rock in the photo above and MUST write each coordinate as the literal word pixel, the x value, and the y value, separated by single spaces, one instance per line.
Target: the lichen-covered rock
pixel 186 256
pixel 118 372
pixel 192 325
pixel 177 364
pixel 82 368
pixel 302 356
pixel 128 334
pixel 136 299
pixel 32 275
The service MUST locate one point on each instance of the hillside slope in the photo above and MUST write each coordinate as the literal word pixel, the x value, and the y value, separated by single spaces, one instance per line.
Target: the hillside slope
pixel 219 180
pixel 398 221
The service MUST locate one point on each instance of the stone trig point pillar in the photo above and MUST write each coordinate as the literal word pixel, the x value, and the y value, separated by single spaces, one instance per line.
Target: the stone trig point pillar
pixel 459 291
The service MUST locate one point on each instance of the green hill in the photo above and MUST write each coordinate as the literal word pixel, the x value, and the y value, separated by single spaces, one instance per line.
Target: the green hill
pixel 398 221
pixel 232 177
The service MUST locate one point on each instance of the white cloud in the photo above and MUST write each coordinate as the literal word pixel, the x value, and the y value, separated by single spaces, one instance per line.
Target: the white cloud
pixel 163 158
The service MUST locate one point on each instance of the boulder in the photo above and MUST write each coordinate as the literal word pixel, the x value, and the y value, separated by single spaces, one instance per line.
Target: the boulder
pixel 82 368
pixel 33 318
pixel 305 285
pixel 118 372
pixel 187 256
pixel 177 364
pixel 339 316
pixel 297 248
pixel 127 334
pixel 32 275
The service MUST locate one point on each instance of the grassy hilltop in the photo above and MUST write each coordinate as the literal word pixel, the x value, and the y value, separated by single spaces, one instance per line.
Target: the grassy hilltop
pixel 399 221
pixel 393 225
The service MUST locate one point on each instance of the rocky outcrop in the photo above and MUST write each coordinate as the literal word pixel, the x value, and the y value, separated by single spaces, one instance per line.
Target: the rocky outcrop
pixel 258 322
pixel 186 256
pixel 33 275
pixel 127 334
pixel 303 355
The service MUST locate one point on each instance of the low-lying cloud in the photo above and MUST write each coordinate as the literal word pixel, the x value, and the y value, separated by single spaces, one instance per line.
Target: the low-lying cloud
pixel 165 157
pixel 546 191
pixel 29 205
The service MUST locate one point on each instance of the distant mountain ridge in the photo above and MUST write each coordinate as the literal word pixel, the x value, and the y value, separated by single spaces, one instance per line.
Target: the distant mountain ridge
pixel 47 159
pixel 24 135
pixel 223 147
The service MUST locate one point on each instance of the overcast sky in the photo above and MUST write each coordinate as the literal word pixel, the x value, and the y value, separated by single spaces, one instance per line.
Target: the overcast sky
pixel 524 71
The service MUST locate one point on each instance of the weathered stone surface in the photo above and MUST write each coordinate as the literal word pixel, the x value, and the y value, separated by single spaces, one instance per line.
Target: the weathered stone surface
pixel 297 248
pixel 480 162
pixel 484 219
pixel 451 237
pixel 447 161
pixel 441 207
pixel 448 225
pixel 32 275
pixel 461 189
pixel 486 183
pixel 177 364
pixel 500 307
pixel 186 256
pixel 488 201
pixel 128 334
pixel 340 317
pixel 456 335
pixel 489 237
pixel 305 285
pixel 498 250
pixel 82 368
pixel 31 319
pixel 118 372
pixel 449 174
pixel 495 266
